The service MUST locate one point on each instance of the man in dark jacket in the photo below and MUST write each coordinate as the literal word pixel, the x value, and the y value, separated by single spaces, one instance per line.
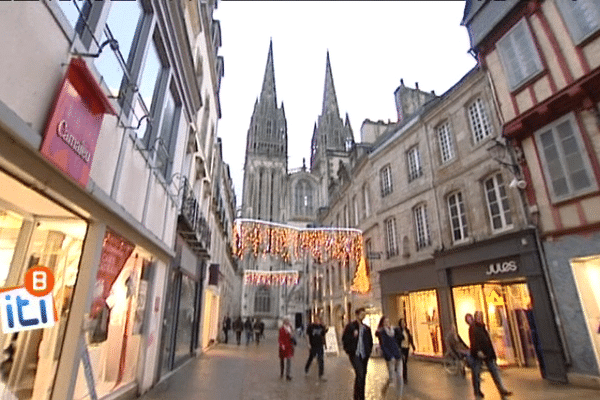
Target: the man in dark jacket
pixel 358 343
pixel 316 338
pixel 482 350
pixel 238 327
pixel 226 327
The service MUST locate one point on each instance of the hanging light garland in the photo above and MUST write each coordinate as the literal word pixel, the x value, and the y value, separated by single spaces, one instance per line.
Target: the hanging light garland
pixel 263 238
pixel 271 278
pixel 361 282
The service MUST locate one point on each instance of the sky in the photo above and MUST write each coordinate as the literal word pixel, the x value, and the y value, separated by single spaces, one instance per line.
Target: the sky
pixel 371 44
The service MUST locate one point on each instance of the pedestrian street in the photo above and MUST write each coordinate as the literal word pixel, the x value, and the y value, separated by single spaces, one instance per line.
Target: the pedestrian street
pixel 250 372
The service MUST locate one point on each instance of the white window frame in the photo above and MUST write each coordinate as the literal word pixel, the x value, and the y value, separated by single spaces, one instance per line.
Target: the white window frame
pixel 391 238
pixel 501 201
pixel 584 160
pixel 385 174
pixel 458 217
pixel 523 56
pixel 446 142
pixel 479 120
pixel 422 234
pixel 577 28
pixel 413 158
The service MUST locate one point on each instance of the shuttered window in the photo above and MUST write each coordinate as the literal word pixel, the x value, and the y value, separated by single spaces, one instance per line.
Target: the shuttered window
pixel 519 56
pixel 582 18
pixel 566 166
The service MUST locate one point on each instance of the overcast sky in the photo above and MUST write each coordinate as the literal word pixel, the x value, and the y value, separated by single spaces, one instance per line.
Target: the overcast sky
pixel 372 44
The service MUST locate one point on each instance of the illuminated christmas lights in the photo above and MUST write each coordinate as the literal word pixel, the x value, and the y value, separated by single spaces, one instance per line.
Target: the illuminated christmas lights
pixel 271 278
pixel 361 282
pixel 263 238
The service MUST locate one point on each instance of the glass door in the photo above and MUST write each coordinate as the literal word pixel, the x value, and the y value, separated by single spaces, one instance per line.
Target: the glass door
pixel 497 322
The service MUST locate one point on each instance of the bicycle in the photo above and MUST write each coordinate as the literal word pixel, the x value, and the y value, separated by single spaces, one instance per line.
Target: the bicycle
pixel 454 364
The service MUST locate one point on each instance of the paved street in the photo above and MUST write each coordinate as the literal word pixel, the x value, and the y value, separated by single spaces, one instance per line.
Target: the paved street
pixel 229 372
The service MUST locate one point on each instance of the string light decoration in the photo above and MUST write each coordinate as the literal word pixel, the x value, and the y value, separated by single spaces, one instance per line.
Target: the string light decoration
pixel 262 238
pixel 361 282
pixel 271 278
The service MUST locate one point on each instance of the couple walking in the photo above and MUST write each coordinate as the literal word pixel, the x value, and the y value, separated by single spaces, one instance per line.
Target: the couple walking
pixel 394 344
pixel 316 338
pixel 481 351
pixel 358 343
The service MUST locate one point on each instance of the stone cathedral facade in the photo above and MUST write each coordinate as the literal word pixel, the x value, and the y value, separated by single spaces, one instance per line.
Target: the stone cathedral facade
pixel 274 193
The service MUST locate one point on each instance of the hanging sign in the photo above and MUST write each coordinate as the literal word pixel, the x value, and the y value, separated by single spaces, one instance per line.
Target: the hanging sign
pixel 74 123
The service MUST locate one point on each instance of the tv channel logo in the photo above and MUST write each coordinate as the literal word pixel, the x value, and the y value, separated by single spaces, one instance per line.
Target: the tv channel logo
pixel 29 306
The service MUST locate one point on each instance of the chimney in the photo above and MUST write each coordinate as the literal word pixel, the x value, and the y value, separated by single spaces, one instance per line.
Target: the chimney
pixel 417 85
pixel 433 92
pixel 401 81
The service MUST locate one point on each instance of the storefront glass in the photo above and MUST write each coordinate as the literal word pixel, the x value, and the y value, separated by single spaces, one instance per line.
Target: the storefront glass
pixel 30 357
pixel 507 310
pixel 116 316
pixel 185 320
pixel 420 309
pixel 587 277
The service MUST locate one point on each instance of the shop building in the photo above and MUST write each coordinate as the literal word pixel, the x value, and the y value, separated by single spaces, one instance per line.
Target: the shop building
pixel 543 61
pixel 100 121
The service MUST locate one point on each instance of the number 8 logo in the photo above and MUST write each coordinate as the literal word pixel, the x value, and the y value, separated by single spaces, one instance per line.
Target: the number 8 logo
pixel 39 280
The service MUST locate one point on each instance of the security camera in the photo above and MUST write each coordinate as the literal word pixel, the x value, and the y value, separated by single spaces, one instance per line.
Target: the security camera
pixel 518 183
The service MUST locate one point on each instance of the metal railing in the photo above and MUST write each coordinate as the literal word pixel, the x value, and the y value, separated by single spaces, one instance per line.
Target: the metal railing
pixel 193 226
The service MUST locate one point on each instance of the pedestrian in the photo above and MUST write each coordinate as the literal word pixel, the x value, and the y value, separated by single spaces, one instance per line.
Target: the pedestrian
pixel 482 351
pixel 262 328
pixel 248 329
pixel 358 343
pixel 238 327
pixel 316 338
pixel 256 327
pixel 286 348
pixel 226 327
pixel 405 341
pixel 391 354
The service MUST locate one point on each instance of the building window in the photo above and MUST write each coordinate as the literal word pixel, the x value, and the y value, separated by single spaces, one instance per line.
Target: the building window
pixel 582 18
pixel 165 144
pixel 458 218
pixel 385 176
pixel 497 201
pixel 304 198
pixel 355 209
pixel 421 313
pixel 446 142
pixel 414 164
pixel 345 222
pixel 480 123
pixel 262 300
pixel 519 56
pixel 421 226
pixel 367 208
pixel 391 241
pixel 566 166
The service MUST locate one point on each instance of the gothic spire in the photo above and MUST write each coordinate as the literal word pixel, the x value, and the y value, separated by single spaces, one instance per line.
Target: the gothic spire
pixel 329 99
pixel 267 94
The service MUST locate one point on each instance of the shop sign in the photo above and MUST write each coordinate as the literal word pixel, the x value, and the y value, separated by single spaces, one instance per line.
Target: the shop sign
pixel 501 267
pixel 115 252
pixel 74 123
pixel 29 306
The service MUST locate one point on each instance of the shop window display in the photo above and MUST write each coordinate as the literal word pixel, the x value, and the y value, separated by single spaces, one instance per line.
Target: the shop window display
pixel 420 309
pixel 507 315
pixel 116 317
pixel 30 358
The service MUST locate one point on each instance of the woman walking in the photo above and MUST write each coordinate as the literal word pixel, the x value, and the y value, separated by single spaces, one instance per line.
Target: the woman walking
pixel 391 353
pixel 405 341
pixel 286 348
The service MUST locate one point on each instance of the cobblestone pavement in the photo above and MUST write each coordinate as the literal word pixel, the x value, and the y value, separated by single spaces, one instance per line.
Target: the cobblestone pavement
pixel 231 372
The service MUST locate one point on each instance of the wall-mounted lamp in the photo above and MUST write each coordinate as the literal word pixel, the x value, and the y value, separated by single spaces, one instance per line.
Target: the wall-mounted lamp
pixel 114 45
pixel 502 155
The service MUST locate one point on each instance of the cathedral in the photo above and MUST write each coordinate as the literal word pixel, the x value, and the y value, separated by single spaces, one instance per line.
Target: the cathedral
pixel 274 193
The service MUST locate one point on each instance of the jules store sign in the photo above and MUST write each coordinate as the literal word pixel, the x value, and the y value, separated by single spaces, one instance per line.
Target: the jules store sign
pixel 30 306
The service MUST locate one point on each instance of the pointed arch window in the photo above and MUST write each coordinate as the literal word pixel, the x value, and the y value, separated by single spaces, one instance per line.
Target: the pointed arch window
pixel 303 198
pixel 262 300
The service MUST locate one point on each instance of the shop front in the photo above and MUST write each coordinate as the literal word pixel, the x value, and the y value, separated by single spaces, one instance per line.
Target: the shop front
pixel 503 278
pixel 182 310
pixel 35 231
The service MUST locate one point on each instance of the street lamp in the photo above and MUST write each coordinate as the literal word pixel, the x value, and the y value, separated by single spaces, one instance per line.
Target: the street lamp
pixel 501 153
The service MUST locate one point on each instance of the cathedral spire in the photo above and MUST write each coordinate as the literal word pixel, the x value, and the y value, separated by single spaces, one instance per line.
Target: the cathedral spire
pixel 329 99
pixel 267 94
